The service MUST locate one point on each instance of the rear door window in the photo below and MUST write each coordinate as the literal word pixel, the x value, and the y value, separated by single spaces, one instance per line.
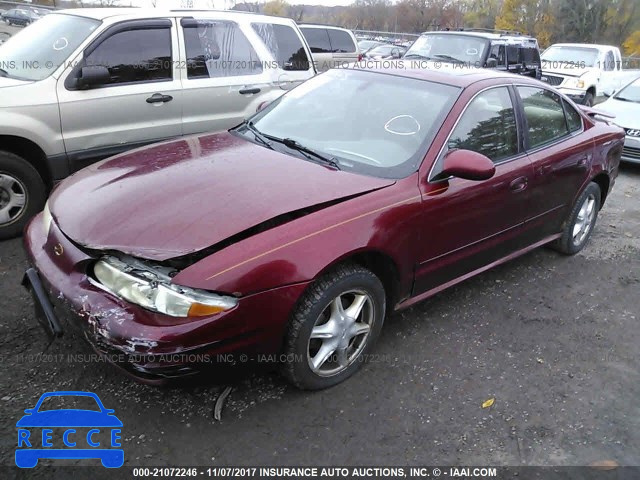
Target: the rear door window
pixel 341 41
pixel 218 49
pixel 545 115
pixel 574 120
pixel 318 39
pixel 284 44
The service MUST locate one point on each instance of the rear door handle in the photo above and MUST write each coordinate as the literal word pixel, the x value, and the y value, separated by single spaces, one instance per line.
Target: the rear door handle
pixel 518 184
pixel 159 98
pixel 247 91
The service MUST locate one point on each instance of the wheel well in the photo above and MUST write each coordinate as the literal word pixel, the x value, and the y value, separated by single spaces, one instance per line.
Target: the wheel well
pixel 592 91
pixel 30 152
pixel 382 266
pixel 602 180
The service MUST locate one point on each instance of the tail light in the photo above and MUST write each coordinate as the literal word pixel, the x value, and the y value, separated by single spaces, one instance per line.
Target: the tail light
pixel 359 57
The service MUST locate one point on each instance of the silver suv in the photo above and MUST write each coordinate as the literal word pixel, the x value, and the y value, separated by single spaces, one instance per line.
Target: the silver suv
pixel 81 85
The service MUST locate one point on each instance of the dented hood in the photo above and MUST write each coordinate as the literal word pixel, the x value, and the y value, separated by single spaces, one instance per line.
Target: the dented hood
pixel 179 197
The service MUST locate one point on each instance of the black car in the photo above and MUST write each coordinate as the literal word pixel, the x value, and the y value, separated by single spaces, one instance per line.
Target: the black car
pixel 476 48
pixel 19 16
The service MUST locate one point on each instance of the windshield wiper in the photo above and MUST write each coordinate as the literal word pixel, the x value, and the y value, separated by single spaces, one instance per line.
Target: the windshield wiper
pixel 625 99
pixel 308 152
pixel 417 55
pixel 3 73
pixel 449 57
pixel 259 136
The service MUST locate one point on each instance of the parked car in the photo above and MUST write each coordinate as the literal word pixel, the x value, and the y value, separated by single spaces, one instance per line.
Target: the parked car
pixel 582 71
pixel 382 52
pixel 92 96
pixel 365 45
pixel 331 46
pixel 19 16
pixel 508 52
pixel 625 105
pixel 299 230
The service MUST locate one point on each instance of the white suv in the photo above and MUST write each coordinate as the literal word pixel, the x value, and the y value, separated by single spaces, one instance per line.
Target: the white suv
pixel 84 84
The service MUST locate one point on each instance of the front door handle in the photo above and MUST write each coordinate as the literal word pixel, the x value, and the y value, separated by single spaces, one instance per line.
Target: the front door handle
pixel 159 98
pixel 582 161
pixel 247 91
pixel 518 184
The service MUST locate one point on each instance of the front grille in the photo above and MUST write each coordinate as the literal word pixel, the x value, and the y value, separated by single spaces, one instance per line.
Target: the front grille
pixel 632 132
pixel 631 152
pixel 553 80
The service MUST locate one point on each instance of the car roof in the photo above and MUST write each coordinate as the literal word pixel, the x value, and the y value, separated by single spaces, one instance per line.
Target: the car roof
pixel 316 25
pixel 461 78
pixel 131 13
pixel 488 35
pixel 584 45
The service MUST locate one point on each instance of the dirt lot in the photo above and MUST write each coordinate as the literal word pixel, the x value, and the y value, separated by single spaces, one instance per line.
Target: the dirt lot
pixel 553 339
pixel 9 29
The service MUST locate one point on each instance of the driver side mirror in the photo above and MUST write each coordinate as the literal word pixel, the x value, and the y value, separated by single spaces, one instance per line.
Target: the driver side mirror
pixel 468 165
pixel 93 76
pixel 492 63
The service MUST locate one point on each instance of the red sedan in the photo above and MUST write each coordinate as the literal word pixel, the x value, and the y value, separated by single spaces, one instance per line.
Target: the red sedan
pixel 295 233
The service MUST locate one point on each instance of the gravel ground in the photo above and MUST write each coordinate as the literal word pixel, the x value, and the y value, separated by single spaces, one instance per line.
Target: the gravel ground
pixel 553 339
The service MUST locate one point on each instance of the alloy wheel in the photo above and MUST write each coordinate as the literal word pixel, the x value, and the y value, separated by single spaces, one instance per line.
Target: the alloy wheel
pixel 584 220
pixel 340 333
pixel 13 198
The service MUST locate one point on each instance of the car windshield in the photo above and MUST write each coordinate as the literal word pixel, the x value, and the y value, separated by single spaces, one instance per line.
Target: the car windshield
pixel 630 93
pixel 449 48
pixel 365 121
pixel 580 55
pixel 36 52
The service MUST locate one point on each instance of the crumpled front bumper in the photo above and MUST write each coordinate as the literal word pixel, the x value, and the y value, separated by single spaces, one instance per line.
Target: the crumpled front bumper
pixel 150 346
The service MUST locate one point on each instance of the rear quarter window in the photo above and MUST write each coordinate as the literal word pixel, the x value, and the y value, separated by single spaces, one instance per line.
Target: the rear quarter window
pixel 284 44
pixel 341 41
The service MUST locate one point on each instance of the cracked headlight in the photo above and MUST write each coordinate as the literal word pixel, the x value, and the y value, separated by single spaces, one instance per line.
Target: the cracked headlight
pixel 46 219
pixel 150 288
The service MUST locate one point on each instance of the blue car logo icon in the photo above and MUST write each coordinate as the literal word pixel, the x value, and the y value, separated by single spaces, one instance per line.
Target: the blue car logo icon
pixel 84 433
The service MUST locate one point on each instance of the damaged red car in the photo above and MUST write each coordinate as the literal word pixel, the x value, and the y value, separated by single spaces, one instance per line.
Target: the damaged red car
pixel 296 232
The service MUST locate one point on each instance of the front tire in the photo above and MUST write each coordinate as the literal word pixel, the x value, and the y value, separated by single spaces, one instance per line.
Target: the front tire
pixel 334 325
pixel 22 194
pixel 581 220
pixel 588 99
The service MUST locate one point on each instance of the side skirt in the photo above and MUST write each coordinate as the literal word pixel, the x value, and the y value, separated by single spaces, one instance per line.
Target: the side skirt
pixel 429 293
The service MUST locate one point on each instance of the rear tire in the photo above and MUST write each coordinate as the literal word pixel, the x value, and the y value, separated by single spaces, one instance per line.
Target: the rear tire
pixel 581 221
pixel 22 194
pixel 333 327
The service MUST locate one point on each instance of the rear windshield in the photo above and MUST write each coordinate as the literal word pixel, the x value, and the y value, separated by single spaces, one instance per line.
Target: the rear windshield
pixel 37 51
